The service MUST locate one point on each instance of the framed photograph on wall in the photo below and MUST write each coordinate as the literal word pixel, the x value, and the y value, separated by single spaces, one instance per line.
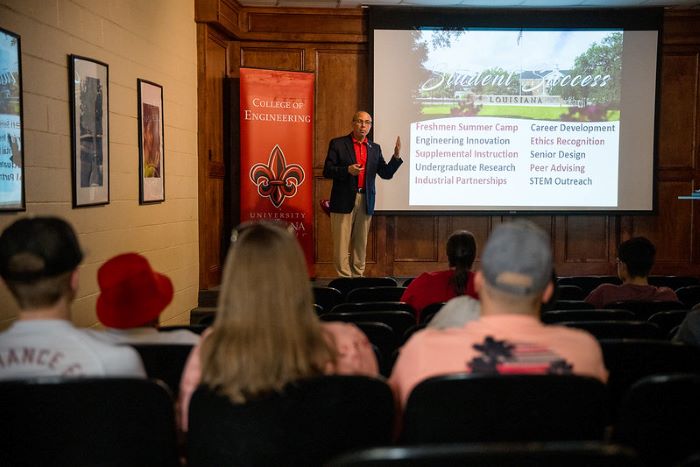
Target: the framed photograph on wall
pixel 89 108
pixel 151 143
pixel 11 134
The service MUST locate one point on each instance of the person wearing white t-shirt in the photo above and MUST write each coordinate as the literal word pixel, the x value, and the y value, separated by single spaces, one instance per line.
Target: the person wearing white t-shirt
pixel 39 258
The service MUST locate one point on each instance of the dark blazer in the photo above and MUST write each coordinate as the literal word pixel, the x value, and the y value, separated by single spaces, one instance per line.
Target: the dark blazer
pixel 341 154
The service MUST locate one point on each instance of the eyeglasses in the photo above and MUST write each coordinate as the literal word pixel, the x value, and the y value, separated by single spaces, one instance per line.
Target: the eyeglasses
pixel 360 122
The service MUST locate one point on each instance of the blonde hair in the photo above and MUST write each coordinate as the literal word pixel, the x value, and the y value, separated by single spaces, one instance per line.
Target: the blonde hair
pixel 266 333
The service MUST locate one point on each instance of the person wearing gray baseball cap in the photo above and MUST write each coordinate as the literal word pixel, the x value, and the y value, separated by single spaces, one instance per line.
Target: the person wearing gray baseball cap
pixel 514 280
pixel 39 258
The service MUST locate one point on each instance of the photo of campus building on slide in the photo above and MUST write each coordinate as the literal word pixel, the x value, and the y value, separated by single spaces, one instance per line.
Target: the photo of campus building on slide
pixel 528 74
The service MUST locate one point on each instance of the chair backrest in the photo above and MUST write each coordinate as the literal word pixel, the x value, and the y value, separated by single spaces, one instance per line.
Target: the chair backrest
pixel 570 292
pixel 382 336
pixel 87 421
pixel 673 282
pixel 372 306
pixel 327 297
pixel 572 305
pixel 306 424
pixel 629 360
pixel 398 321
pixel 164 362
pixel 202 315
pixel 618 329
pixel 487 408
pixel 346 284
pixel 429 311
pixel 383 293
pixel 659 418
pixel 667 320
pixel 551 454
pixel 588 283
pixel 689 295
pixel 407 281
pixel 644 309
pixel 558 316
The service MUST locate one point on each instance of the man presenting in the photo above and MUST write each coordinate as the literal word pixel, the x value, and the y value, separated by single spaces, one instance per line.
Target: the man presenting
pixel 353 162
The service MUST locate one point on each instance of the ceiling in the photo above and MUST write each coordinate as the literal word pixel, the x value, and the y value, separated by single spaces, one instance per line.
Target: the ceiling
pixel 474 3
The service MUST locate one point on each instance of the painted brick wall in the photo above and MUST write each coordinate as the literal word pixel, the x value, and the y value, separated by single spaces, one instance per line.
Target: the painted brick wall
pixel 153 40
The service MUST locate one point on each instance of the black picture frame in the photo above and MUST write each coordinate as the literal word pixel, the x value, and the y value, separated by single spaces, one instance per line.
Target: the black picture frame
pixel 12 187
pixel 89 111
pixel 151 142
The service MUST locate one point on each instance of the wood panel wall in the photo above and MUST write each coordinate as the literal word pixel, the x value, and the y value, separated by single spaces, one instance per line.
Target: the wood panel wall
pixel 332 44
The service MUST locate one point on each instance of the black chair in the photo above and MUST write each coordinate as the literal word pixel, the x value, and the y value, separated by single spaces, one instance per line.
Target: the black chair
pixel 398 321
pixel 306 424
pixel 164 362
pixel 629 360
pixel 551 454
pixel 572 305
pixel 411 331
pixel 673 282
pixel 558 316
pixel 659 418
pixel 429 311
pixel 689 295
pixel 588 283
pixel 327 297
pixel 618 329
pixel 644 309
pixel 376 294
pixel 407 281
pixel 202 315
pixel 571 292
pixel 667 320
pixel 372 306
pixel 87 421
pixel 383 337
pixel 346 284
pixel 489 408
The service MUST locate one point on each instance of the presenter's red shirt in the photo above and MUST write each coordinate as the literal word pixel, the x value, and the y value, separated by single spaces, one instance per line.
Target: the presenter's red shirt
pixel 361 158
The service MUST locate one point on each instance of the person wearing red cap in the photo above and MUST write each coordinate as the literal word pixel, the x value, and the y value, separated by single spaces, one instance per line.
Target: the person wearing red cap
pixel 39 258
pixel 132 297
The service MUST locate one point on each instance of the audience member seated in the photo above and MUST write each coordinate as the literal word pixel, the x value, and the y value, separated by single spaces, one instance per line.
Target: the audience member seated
pixel 132 297
pixel 689 330
pixel 456 313
pixel 266 333
pixel 635 258
pixel 515 278
pixel 440 286
pixel 39 260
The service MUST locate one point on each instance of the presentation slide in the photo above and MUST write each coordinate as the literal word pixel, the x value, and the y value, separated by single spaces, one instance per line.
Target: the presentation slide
pixel 505 119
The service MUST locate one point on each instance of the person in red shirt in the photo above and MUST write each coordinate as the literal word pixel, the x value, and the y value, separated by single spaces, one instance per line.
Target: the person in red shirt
pixel 353 162
pixel 635 260
pixel 441 286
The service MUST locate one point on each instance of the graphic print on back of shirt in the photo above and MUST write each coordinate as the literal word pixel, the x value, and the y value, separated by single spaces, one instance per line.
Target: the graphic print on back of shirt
pixel 504 357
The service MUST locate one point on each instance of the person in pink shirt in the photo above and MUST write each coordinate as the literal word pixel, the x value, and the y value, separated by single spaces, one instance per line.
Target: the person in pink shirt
pixel 635 258
pixel 441 286
pixel 266 333
pixel 508 337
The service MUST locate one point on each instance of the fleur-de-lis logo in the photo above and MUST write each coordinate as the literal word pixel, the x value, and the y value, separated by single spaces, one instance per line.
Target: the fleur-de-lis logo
pixel 277 180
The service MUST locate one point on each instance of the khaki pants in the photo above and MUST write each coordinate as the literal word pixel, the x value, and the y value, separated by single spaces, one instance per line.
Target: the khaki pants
pixel 350 239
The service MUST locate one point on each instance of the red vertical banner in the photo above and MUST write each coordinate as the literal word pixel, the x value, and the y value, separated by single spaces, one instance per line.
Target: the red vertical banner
pixel 277 151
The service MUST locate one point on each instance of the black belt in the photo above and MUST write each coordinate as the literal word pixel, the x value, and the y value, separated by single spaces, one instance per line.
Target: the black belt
pixel 360 190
